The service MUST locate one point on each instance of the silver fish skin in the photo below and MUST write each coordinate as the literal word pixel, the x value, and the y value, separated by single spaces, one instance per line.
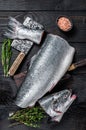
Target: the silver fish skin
pixel 55 105
pixel 46 69
pixel 19 31
pixel 25 45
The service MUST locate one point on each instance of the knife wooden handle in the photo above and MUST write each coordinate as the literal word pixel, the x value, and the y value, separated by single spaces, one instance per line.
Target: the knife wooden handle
pixel 16 64
pixel 77 64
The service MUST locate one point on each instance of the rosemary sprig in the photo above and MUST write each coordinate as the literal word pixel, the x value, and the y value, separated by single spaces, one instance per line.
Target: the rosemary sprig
pixel 6 55
pixel 29 116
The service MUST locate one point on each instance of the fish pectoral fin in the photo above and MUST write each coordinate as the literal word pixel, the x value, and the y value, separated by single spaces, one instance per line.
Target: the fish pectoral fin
pixel 31 104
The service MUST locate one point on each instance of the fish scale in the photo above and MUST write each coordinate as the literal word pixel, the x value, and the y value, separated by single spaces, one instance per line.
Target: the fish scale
pixel 27 32
pixel 56 104
pixel 46 69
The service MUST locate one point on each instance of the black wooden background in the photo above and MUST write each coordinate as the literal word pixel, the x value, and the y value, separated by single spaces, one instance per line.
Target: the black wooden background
pixel 46 12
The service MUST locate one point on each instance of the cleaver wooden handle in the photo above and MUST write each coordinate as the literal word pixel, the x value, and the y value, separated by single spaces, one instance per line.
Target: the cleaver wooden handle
pixel 16 64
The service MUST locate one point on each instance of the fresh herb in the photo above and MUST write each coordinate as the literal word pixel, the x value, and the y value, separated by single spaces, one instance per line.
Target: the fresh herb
pixel 6 55
pixel 29 116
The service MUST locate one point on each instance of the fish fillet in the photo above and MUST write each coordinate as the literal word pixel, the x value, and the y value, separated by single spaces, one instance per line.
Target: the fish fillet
pixel 46 69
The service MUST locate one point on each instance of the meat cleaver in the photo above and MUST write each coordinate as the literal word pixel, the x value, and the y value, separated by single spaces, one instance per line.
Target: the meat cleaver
pixel 24 45
pixel 19 78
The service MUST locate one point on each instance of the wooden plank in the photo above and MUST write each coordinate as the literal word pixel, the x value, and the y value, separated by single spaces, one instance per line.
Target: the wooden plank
pixel 5 15
pixel 28 5
pixel 46 13
pixel 80 54
pixel 77 83
pixel 72 119
pixel 14 55
pixel 76 38
pixel 48 19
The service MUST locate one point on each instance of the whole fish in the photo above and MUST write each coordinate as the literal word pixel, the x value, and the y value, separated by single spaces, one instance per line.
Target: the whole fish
pixel 46 69
pixel 57 104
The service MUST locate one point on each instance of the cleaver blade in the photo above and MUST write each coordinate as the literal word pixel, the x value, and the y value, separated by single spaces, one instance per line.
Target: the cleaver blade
pixel 23 46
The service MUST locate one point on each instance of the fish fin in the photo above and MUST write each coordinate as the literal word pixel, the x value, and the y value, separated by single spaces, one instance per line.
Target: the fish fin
pixel 51 87
pixel 32 105
pixel 57 118
pixel 32 60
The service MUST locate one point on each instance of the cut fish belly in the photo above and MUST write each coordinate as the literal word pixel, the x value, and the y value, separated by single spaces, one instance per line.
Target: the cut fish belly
pixel 46 69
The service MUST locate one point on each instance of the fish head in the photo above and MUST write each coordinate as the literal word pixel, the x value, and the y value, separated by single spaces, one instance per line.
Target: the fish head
pixel 60 99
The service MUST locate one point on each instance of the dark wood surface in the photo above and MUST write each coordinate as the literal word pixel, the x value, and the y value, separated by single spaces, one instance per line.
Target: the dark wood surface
pixel 46 12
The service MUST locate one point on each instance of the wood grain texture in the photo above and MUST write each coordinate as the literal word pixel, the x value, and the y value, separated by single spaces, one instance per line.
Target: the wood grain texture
pixel 46 12
pixel 76 37
pixel 79 55
pixel 16 64
pixel 48 19
pixel 27 5
pixel 73 118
